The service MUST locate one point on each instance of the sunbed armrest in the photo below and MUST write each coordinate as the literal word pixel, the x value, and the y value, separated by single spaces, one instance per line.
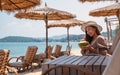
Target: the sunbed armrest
pixel 12 70
pixel 52 57
pixel 16 59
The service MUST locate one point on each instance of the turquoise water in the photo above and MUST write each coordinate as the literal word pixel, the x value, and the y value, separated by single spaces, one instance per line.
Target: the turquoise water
pixel 19 48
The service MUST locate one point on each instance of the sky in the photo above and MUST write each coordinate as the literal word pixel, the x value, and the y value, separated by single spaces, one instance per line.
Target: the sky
pixel 12 26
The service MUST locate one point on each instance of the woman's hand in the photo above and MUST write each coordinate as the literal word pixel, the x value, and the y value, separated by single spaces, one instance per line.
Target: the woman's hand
pixel 88 47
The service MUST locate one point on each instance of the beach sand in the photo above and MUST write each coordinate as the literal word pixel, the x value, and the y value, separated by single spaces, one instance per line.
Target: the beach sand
pixel 37 71
pixel 76 52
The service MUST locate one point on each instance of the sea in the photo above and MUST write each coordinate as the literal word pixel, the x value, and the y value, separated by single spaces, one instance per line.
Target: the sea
pixel 19 48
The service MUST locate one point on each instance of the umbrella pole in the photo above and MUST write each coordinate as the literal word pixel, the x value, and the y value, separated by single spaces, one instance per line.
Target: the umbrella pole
pixel 46 22
pixel 68 47
pixel 68 36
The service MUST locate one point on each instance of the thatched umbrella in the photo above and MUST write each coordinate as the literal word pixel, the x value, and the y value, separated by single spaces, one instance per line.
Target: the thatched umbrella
pixel 107 11
pixel 12 5
pixel 45 14
pixel 66 23
pixel 96 0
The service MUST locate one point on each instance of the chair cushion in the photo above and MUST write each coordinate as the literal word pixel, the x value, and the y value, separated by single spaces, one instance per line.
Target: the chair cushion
pixel 16 64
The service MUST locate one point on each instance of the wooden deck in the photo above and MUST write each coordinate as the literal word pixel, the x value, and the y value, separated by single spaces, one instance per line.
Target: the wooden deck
pixel 96 64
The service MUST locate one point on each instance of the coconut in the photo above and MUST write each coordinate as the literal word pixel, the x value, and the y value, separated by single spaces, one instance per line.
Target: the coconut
pixel 82 43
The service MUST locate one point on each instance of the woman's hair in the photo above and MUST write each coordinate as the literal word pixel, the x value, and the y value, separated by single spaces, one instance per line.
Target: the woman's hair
pixel 89 38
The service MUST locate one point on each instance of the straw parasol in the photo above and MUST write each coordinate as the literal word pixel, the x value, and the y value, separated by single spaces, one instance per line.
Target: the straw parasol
pixel 12 5
pixel 96 0
pixel 107 11
pixel 45 14
pixel 66 23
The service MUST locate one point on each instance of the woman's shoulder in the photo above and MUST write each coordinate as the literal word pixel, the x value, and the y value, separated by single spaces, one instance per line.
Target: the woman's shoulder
pixel 101 37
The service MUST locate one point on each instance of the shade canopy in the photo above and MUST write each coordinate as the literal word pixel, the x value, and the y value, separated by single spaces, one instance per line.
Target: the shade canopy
pixel 66 23
pixel 12 5
pixel 106 11
pixel 45 14
pixel 95 0
pixel 40 14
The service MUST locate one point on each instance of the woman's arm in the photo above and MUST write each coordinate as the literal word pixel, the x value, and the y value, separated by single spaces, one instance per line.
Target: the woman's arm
pixel 98 43
pixel 101 43
pixel 102 46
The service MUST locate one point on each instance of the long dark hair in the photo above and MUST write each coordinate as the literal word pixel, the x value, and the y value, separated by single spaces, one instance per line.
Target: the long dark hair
pixel 89 38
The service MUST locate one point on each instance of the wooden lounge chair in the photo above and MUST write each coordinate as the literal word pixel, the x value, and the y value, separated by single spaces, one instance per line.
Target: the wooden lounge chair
pixel 39 58
pixel 68 50
pixel 57 52
pixel 115 41
pixel 4 54
pixel 26 62
pixel 49 52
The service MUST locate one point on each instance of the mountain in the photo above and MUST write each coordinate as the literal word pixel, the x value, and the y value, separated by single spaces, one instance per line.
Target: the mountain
pixel 19 39
pixel 61 38
pixel 58 37
pixel 73 38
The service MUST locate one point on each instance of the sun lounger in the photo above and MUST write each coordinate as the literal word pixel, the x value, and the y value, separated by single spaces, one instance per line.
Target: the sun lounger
pixel 57 52
pixel 68 50
pixel 41 57
pixel 4 54
pixel 26 62
pixel 49 51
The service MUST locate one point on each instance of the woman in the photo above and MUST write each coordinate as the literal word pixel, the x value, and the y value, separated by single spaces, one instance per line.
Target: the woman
pixel 97 43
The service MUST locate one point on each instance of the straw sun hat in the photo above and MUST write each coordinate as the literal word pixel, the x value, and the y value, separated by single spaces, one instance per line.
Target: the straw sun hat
pixel 90 23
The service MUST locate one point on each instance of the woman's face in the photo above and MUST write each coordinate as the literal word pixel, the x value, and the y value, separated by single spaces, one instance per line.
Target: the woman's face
pixel 90 31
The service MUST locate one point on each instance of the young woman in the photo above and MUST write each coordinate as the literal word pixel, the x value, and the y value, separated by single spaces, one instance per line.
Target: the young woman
pixel 97 43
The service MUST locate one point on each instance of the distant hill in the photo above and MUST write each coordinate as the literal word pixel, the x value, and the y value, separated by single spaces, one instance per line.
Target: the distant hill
pixel 73 38
pixel 19 39
pixel 61 38
pixel 58 37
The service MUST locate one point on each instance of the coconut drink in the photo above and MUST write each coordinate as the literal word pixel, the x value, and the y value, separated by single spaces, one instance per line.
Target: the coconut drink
pixel 82 44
